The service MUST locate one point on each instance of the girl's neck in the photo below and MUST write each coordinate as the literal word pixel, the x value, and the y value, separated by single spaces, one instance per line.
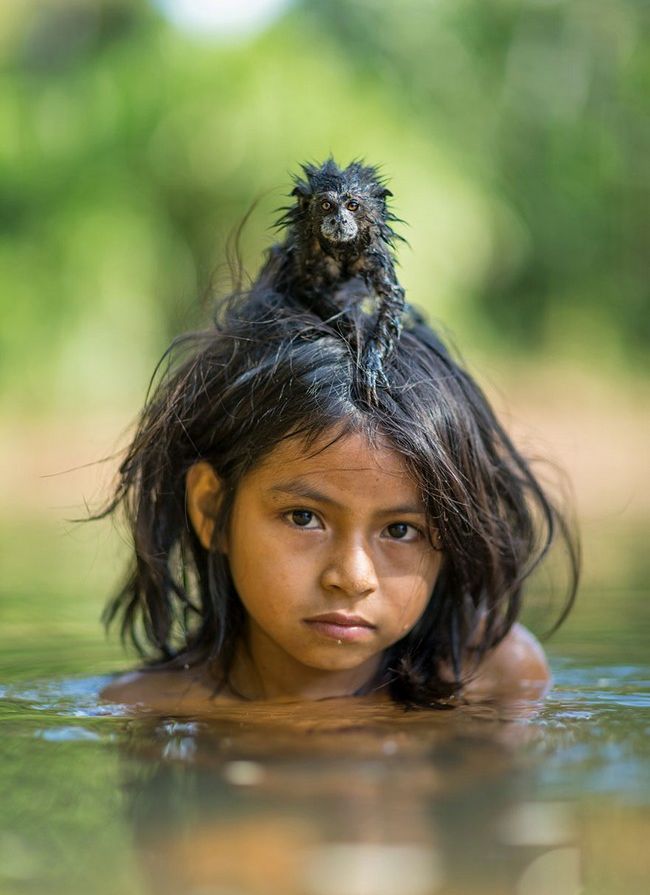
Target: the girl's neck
pixel 255 676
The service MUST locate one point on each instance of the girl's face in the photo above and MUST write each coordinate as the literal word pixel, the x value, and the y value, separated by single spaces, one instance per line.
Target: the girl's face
pixel 336 532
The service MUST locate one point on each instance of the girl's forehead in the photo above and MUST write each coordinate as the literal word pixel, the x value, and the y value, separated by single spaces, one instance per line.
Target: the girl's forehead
pixel 336 453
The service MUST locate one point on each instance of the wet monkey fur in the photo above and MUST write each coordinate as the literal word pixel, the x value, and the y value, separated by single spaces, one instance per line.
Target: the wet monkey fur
pixel 338 232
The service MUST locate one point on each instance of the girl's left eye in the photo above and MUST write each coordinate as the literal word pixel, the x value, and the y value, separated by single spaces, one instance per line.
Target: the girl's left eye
pixel 402 531
pixel 302 518
pixel 352 205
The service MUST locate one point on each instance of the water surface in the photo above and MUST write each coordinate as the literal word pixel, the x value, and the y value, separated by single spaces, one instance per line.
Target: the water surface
pixel 340 797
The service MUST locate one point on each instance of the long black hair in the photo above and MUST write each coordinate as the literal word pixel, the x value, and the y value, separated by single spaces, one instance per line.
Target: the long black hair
pixel 269 369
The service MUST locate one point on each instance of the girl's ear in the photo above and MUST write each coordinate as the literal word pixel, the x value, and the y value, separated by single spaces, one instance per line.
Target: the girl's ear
pixel 203 496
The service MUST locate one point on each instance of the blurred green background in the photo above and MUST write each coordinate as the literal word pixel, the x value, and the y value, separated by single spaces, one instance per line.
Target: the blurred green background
pixel 135 137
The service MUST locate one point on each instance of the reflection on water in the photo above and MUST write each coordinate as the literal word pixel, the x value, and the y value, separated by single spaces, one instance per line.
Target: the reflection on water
pixel 340 797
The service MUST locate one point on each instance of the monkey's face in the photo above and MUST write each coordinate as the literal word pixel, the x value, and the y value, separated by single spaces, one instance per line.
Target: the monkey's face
pixel 338 216
pixel 344 209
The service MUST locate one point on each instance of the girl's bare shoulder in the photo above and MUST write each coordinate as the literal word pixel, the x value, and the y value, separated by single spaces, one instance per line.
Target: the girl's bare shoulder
pixel 517 666
pixel 178 691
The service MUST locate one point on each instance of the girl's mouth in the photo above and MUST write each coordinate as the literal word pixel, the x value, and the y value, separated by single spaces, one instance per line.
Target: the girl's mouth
pixel 338 626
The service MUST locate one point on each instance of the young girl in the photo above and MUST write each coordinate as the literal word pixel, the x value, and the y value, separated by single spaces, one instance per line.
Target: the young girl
pixel 300 534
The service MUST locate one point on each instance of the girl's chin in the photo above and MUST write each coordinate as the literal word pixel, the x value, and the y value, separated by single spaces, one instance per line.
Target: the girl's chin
pixel 338 659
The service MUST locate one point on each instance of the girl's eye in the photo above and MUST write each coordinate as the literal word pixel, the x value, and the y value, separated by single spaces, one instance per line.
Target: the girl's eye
pixel 303 518
pixel 352 205
pixel 402 531
pixel 325 205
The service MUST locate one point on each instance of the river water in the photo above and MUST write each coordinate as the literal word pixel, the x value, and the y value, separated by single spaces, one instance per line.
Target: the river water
pixel 340 797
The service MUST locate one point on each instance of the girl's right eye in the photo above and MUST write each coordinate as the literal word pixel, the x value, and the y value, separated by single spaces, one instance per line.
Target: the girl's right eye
pixel 325 205
pixel 303 518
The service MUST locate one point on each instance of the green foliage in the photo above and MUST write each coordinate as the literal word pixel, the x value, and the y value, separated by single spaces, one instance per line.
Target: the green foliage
pixel 544 106
pixel 513 133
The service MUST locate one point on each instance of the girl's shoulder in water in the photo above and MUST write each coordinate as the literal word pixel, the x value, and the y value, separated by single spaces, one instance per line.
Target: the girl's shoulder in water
pixel 516 668
pixel 177 690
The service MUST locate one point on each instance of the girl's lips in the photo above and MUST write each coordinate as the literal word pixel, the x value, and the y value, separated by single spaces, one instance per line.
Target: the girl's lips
pixel 347 632
pixel 341 618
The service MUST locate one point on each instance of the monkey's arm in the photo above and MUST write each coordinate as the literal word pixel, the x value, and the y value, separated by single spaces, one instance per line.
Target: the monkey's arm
pixel 388 326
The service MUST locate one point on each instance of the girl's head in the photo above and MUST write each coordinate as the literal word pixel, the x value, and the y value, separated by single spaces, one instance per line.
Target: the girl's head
pixel 266 486
pixel 318 530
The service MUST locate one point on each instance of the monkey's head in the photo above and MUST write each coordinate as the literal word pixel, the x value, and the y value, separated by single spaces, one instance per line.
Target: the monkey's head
pixel 340 207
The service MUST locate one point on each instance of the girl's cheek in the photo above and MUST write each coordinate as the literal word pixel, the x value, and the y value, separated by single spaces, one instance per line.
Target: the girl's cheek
pixel 415 559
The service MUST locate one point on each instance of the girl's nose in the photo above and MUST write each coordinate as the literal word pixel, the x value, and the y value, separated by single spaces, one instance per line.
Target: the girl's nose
pixel 350 570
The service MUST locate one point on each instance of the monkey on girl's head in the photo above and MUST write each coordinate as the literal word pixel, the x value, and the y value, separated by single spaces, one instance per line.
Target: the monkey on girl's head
pixel 339 230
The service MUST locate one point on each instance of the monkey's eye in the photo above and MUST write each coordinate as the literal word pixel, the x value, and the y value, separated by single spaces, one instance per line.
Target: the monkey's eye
pixel 325 205
pixel 352 205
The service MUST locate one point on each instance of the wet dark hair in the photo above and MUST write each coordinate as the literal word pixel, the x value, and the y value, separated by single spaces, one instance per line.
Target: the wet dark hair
pixel 269 369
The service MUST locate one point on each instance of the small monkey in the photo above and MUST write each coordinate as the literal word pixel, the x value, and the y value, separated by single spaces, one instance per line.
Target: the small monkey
pixel 338 231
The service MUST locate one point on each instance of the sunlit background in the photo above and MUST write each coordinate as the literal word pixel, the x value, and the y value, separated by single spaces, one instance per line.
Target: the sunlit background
pixel 135 137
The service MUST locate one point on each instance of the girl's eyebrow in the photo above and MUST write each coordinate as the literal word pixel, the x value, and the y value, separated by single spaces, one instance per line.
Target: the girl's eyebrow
pixel 301 489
